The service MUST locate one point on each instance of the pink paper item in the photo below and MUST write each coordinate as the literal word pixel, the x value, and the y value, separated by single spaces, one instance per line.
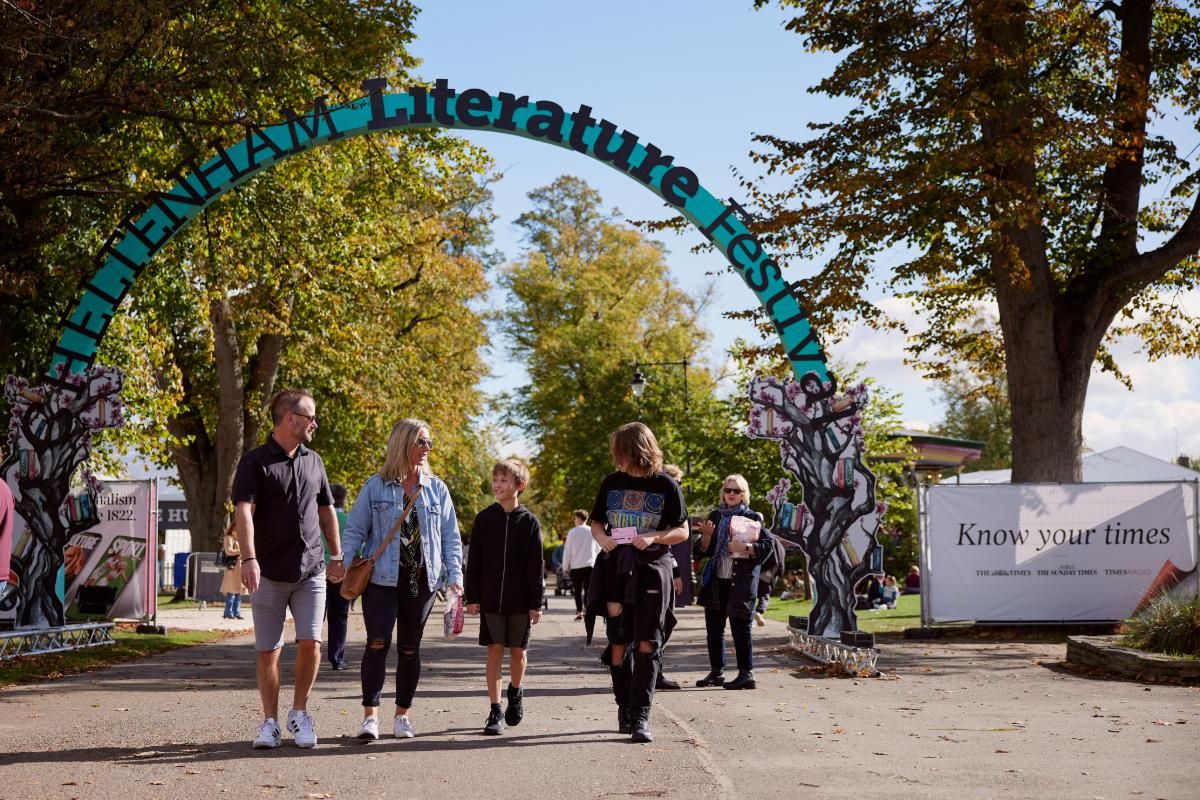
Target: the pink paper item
pixel 624 535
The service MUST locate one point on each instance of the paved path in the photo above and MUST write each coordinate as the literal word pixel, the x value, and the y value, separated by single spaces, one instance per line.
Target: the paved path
pixel 951 720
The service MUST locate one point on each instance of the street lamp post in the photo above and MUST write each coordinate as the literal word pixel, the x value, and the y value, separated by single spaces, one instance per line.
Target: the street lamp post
pixel 638 385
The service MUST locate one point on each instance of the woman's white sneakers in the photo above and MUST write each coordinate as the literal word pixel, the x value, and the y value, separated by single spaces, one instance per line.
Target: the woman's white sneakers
pixel 369 728
pixel 402 728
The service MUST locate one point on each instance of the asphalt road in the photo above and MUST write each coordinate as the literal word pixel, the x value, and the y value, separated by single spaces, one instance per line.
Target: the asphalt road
pixel 975 719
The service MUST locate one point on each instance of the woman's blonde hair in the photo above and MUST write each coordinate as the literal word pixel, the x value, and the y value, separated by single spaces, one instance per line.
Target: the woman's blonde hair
pixel 395 460
pixel 635 444
pixel 741 483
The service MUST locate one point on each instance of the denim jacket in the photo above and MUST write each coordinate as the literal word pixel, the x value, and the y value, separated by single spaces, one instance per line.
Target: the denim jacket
pixel 380 503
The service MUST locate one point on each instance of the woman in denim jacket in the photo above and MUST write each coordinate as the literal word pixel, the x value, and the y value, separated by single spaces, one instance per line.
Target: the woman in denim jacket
pixel 423 555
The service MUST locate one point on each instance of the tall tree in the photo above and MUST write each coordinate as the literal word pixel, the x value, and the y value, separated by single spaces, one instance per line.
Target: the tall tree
pixel 92 93
pixel 337 271
pixel 590 298
pixel 998 149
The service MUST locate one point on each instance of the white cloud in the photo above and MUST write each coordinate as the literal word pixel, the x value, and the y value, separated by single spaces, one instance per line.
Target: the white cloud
pixel 1157 428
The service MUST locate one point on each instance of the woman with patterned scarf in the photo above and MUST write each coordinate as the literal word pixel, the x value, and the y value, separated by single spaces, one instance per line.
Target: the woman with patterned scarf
pixel 729 583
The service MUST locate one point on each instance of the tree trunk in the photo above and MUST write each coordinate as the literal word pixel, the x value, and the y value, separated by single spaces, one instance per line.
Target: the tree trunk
pixel 833 611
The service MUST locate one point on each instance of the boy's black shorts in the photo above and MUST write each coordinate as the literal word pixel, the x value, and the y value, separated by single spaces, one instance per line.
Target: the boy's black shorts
pixel 510 630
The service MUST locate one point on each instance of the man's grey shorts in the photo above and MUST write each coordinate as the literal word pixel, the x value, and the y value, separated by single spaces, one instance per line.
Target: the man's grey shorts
pixel 269 606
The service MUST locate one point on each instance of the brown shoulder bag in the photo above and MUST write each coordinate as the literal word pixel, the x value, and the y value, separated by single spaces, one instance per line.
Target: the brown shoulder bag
pixel 358 574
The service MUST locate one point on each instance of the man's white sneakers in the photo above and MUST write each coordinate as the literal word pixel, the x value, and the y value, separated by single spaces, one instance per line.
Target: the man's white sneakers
pixel 301 726
pixel 268 735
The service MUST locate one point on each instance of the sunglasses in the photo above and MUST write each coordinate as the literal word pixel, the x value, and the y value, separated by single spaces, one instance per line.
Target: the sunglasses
pixel 310 417
pixel 732 490
pixel 426 443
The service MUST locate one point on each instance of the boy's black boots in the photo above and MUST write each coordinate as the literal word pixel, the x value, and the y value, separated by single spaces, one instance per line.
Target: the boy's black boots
pixel 621 679
pixel 516 709
pixel 645 673
pixel 495 722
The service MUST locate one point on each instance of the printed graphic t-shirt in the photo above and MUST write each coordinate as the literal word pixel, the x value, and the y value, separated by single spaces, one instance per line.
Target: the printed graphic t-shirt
pixel 653 503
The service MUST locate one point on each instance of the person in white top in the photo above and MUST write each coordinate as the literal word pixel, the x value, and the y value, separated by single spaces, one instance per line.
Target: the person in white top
pixel 579 556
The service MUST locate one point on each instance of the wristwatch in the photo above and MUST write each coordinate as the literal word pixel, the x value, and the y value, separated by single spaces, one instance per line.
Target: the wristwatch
pixel 338 557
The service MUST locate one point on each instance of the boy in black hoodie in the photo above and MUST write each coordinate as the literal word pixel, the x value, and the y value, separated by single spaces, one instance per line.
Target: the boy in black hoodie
pixel 503 580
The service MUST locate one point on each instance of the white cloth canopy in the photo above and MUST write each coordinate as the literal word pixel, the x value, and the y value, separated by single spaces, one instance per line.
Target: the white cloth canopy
pixel 1118 465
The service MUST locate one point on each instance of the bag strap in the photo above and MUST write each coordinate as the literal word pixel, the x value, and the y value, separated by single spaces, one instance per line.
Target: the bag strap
pixel 407 510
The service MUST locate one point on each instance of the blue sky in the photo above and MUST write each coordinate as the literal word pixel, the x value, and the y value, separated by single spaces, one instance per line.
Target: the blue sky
pixel 698 79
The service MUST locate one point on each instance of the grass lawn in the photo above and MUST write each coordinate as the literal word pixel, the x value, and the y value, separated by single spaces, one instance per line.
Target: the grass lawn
pixel 906 614
pixel 167 600
pixel 129 646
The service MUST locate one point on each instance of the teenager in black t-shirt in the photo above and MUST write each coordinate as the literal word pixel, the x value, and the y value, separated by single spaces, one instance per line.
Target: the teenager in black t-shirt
pixel 632 583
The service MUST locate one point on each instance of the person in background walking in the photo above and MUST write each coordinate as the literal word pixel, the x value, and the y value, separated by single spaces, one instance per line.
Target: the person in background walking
pixel 729 585
pixel 578 558
pixel 337 608
pixel 283 506
pixel 231 581
pixel 424 555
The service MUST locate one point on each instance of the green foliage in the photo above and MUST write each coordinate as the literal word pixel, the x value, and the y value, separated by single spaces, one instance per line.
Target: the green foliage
pixel 998 151
pixel 128 646
pixel 975 393
pixel 906 614
pixel 1169 625
pixel 348 271
pixel 94 93
pixel 590 298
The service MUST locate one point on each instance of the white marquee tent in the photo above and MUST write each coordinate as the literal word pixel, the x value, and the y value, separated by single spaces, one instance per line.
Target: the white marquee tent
pixel 1118 465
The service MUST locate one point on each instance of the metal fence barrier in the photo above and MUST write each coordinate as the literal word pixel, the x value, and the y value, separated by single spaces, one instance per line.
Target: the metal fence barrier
pixel 855 660
pixel 54 640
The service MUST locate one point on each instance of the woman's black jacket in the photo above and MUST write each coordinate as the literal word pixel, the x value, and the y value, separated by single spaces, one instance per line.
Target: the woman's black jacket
pixel 744 591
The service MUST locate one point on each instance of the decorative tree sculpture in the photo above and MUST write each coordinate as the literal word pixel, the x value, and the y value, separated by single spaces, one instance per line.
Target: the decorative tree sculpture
pixel 49 436
pixel 821 443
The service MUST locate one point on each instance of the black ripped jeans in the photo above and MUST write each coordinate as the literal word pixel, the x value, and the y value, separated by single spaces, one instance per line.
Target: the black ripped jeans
pixel 386 608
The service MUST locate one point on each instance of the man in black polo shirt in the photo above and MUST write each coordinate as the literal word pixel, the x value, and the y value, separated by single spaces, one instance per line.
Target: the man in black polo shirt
pixel 283 506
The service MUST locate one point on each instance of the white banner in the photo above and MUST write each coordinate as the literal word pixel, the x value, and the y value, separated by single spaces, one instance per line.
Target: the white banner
pixel 120 553
pixel 1054 552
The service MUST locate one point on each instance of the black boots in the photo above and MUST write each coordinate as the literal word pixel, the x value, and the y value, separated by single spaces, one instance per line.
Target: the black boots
pixel 640 731
pixel 495 722
pixel 744 680
pixel 645 676
pixel 516 710
pixel 621 678
pixel 665 684
pixel 714 678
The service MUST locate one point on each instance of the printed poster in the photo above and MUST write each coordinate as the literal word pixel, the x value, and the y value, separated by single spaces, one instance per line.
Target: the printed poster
pixel 1087 552
pixel 120 552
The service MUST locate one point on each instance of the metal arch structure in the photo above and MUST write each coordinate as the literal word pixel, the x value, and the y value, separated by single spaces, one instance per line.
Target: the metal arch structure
pixel 72 399
pixel 162 215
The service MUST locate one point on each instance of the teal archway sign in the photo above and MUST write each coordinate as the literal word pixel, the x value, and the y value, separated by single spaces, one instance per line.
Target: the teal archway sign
pixel 161 215
pixel 52 420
